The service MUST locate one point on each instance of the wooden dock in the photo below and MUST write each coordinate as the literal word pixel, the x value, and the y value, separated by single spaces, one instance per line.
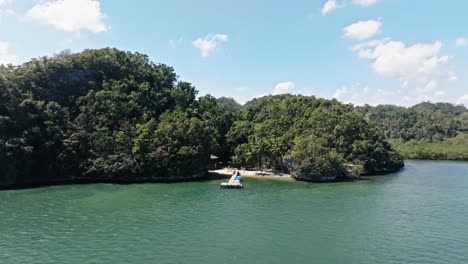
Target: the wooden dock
pixel 233 182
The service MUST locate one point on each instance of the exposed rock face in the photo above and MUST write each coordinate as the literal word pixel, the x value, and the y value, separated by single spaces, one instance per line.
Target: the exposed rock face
pixel 301 175
pixel 201 174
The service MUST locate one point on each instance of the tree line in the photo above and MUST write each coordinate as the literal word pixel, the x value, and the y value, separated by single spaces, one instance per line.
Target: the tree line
pixel 110 115
pixel 424 131
pixel 103 115
pixel 310 138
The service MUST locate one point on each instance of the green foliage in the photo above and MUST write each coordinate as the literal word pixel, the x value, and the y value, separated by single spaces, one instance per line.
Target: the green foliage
pixel 312 158
pixel 103 115
pixel 112 115
pixel 433 122
pixel 424 131
pixel 450 149
pixel 229 104
pixel 273 128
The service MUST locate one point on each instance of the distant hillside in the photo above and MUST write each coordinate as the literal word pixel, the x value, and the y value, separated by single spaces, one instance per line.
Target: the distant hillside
pixel 424 131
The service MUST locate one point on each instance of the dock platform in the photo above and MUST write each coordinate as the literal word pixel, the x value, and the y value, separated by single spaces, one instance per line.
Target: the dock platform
pixel 233 183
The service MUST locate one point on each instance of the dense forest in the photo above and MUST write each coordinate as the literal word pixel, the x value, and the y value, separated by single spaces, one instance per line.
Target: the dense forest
pixel 112 116
pixel 424 131
pixel 312 138
pixel 103 115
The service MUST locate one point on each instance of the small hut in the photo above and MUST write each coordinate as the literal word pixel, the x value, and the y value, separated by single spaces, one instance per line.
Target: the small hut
pixel 214 162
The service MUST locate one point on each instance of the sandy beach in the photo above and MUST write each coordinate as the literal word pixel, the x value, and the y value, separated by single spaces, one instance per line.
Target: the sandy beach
pixel 255 174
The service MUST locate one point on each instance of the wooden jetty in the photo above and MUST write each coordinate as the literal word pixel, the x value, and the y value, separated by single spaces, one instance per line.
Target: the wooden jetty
pixel 233 183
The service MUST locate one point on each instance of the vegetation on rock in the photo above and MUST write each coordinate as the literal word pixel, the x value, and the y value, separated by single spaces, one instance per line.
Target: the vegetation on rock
pixel 424 131
pixel 109 115
pixel 102 115
pixel 312 137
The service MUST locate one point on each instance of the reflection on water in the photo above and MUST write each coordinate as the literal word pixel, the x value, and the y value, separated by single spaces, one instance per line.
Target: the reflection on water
pixel 416 216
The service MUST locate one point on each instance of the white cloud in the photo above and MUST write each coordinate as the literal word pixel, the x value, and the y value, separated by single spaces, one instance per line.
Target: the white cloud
pixel 429 87
pixel 283 88
pixel 259 96
pixel 394 60
pixel 365 3
pixel 360 95
pixel 463 100
pixel 5 56
pixel 5 2
pixel 309 91
pixel 354 94
pixel 70 15
pixel 329 6
pixel 461 42
pixel 4 12
pixel 363 29
pixel 344 93
pixel 209 44
pixel 452 78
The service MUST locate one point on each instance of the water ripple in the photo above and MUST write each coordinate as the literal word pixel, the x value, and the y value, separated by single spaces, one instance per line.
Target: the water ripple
pixel 412 217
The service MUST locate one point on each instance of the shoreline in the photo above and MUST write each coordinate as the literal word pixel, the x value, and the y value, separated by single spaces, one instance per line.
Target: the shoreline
pixel 254 174
pixel 205 176
pixel 210 175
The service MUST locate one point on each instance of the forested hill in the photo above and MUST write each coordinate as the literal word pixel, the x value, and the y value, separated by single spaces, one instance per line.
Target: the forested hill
pixel 103 115
pixel 311 137
pixel 428 121
pixel 112 116
pixel 424 131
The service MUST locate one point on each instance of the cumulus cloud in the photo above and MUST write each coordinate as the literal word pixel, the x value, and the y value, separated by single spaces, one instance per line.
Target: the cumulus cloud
pixel 361 95
pixel 344 92
pixel 452 78
pixel 463 100
pixel 284 87
pixel 354 94
pixel 5 2
pixel 439 93
pixel 363 29
pixel 365 3
pixel 421 69
pixel 429 87
pixel 329 6
pixel 5 11
pixel 6 56
pixel 461 42
pixel 209 43
pixel 395 60
pixel 70 15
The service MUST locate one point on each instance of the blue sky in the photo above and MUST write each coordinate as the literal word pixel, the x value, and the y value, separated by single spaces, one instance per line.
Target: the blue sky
pixel 359 51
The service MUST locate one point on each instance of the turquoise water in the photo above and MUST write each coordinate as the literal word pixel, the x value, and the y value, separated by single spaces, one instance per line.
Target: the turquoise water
pixel 419 215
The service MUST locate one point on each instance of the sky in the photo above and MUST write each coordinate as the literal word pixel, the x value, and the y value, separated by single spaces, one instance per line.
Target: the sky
pixel 357 51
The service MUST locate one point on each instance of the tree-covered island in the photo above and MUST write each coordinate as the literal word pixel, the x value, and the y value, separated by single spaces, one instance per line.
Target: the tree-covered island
pixel 112 116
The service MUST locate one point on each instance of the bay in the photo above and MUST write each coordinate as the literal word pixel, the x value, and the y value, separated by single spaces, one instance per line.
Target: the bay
pixel 419 215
